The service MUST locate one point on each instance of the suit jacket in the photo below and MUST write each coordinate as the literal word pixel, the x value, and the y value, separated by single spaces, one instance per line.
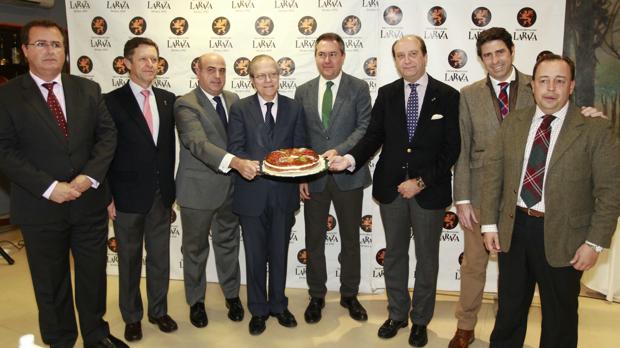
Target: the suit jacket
pixel 348 122
pixel 431 153
pixel 34 152
pixel 248 139
pixel 581 187
pixel 200 184
pixel 479 121
pixel 140 166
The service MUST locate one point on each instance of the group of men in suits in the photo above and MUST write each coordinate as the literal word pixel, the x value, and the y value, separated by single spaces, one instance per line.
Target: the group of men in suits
pixel 65 147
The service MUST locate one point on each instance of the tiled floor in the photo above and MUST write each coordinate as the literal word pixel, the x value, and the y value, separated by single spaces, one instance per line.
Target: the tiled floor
pixel 599 320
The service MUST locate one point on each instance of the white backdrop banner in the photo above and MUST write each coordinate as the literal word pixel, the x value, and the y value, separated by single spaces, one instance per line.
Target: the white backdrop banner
pixel 286 30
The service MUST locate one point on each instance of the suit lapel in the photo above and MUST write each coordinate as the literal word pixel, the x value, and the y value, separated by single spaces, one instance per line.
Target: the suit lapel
pixel 210 112
pixel 571 129
pixel 258 120
pixel 282 120
pixel 34 98
pixel 341 97
pixel 130 103
pixel 314 114
pixel 430 98
pixel 520 134
pixel 164 111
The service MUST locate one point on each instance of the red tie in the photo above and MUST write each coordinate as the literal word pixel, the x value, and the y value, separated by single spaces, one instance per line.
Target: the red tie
pixel 55 108
pixel 148 114
pixel 531 190
pixel 503 99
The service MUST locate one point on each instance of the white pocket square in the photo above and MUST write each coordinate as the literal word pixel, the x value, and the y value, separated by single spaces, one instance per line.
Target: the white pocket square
pixel 437 117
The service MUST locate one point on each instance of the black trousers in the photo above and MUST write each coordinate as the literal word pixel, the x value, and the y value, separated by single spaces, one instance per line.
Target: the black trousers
pixel 348 206
pixel 48 247
pixel 520 269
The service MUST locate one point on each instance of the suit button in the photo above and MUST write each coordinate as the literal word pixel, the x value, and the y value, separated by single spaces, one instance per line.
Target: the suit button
pixel 514 191
pixel 326 138
pixel 409 150
pixel 511 216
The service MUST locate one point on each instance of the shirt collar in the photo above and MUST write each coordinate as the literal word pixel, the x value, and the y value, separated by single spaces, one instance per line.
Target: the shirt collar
pixel 209 96
pixel 39 81
pixel 263 101
pixel 422 82
pixel 137 89
pixel 335 80
pixel 512 77
pixel 560 114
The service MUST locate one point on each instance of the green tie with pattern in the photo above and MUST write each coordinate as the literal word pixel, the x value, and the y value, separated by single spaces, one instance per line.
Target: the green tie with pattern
pixel 326 107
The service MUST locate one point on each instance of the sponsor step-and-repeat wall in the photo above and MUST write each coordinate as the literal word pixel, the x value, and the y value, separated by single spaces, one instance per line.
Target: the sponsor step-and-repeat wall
pixel 286 30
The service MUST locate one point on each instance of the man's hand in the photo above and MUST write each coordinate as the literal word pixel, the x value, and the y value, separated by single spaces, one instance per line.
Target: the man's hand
pixel 81 183
pixel 491 241
pixel 329 154
pixel 409 188
pixel 467 215
pixel 589 111
pixel 248 169
pixel 112 211
pixel 304 191
pixel 585 258
pixel 63 192
pixel 338 163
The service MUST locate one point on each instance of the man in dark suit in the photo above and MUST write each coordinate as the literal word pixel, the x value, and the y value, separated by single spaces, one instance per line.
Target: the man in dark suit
pixel 142 182
pixel 415 119
pixel 337 110
pixel 204 188
pixel 56 142
pixel 259 124
pixel 549 205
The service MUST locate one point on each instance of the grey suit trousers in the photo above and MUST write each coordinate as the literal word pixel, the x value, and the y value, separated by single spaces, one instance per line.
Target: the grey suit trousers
pixel 399 217
pixel 131 229
pixel 224 227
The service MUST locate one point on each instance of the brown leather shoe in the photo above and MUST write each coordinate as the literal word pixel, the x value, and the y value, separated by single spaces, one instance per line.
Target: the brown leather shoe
pixel 462 339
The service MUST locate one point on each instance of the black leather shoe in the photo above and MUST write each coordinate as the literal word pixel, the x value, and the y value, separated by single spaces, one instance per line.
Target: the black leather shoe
pixel 108 342
pixel 133 331
pixel 235 309
pixel 198 315
pixel 391 327
pixel 286 318
pixel 165 323
pixel 313 312
pixel 356 311
pixel 418 336
pixel 257 324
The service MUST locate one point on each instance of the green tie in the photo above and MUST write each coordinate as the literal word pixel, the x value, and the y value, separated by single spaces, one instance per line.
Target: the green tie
pixel 326 107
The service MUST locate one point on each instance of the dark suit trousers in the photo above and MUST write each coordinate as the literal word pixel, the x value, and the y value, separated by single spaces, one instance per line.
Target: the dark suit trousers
pixel 48 248
pixel 198 227
pixel 266 239
pixel 348 206
pixel 399 218
pixel 519 270
pixel 131 230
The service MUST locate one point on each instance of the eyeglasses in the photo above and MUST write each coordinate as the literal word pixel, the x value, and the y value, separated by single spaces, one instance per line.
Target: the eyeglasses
pixel 263 77
pixel 40 44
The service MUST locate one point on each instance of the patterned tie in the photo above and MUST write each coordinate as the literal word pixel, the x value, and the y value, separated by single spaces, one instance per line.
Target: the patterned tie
pixel 531 190
pixel 326 107
pixel 148 114
pixel 219 107
pixel 55 108
pixel 269 121
pixel 412 110
pixel 503 99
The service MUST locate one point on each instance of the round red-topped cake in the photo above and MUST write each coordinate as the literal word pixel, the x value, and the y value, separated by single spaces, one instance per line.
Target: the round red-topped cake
pixel 291 160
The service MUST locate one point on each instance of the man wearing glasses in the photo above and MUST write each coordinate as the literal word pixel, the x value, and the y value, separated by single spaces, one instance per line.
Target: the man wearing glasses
pixel 259 124
pixel 56 142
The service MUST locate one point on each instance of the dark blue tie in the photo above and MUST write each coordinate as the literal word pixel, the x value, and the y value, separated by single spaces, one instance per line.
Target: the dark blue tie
pixel 219 107
pixel 412 110
pixel 269 121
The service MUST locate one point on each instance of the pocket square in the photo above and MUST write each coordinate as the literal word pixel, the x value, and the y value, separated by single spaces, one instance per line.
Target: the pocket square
pixel 437 117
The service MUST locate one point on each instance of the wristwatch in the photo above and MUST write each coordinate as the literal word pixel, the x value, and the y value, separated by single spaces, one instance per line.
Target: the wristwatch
pixel 420 182
pixel 598 249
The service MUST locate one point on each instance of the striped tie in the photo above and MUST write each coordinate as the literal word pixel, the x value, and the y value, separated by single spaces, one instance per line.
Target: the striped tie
pixel 531 190
pixel 503 99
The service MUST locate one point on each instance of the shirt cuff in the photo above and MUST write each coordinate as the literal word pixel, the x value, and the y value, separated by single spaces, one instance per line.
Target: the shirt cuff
pixel 93 183
pixel 488 228
pixel 225 164
pixel 465 201
pixel 351 159
pixel 596 246
pixel 49 190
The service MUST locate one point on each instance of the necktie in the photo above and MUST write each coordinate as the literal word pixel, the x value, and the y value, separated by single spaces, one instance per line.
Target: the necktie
pixel 55 108
pixel 148 114
pixel 269 121
pixel 326 106
pixel 503 98
pixel 219 107
pixel 531 190
pixel 412 110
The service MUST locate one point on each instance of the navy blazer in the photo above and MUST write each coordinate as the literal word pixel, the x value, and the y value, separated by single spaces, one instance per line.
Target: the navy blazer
pixel 430 155
pixel 248 139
